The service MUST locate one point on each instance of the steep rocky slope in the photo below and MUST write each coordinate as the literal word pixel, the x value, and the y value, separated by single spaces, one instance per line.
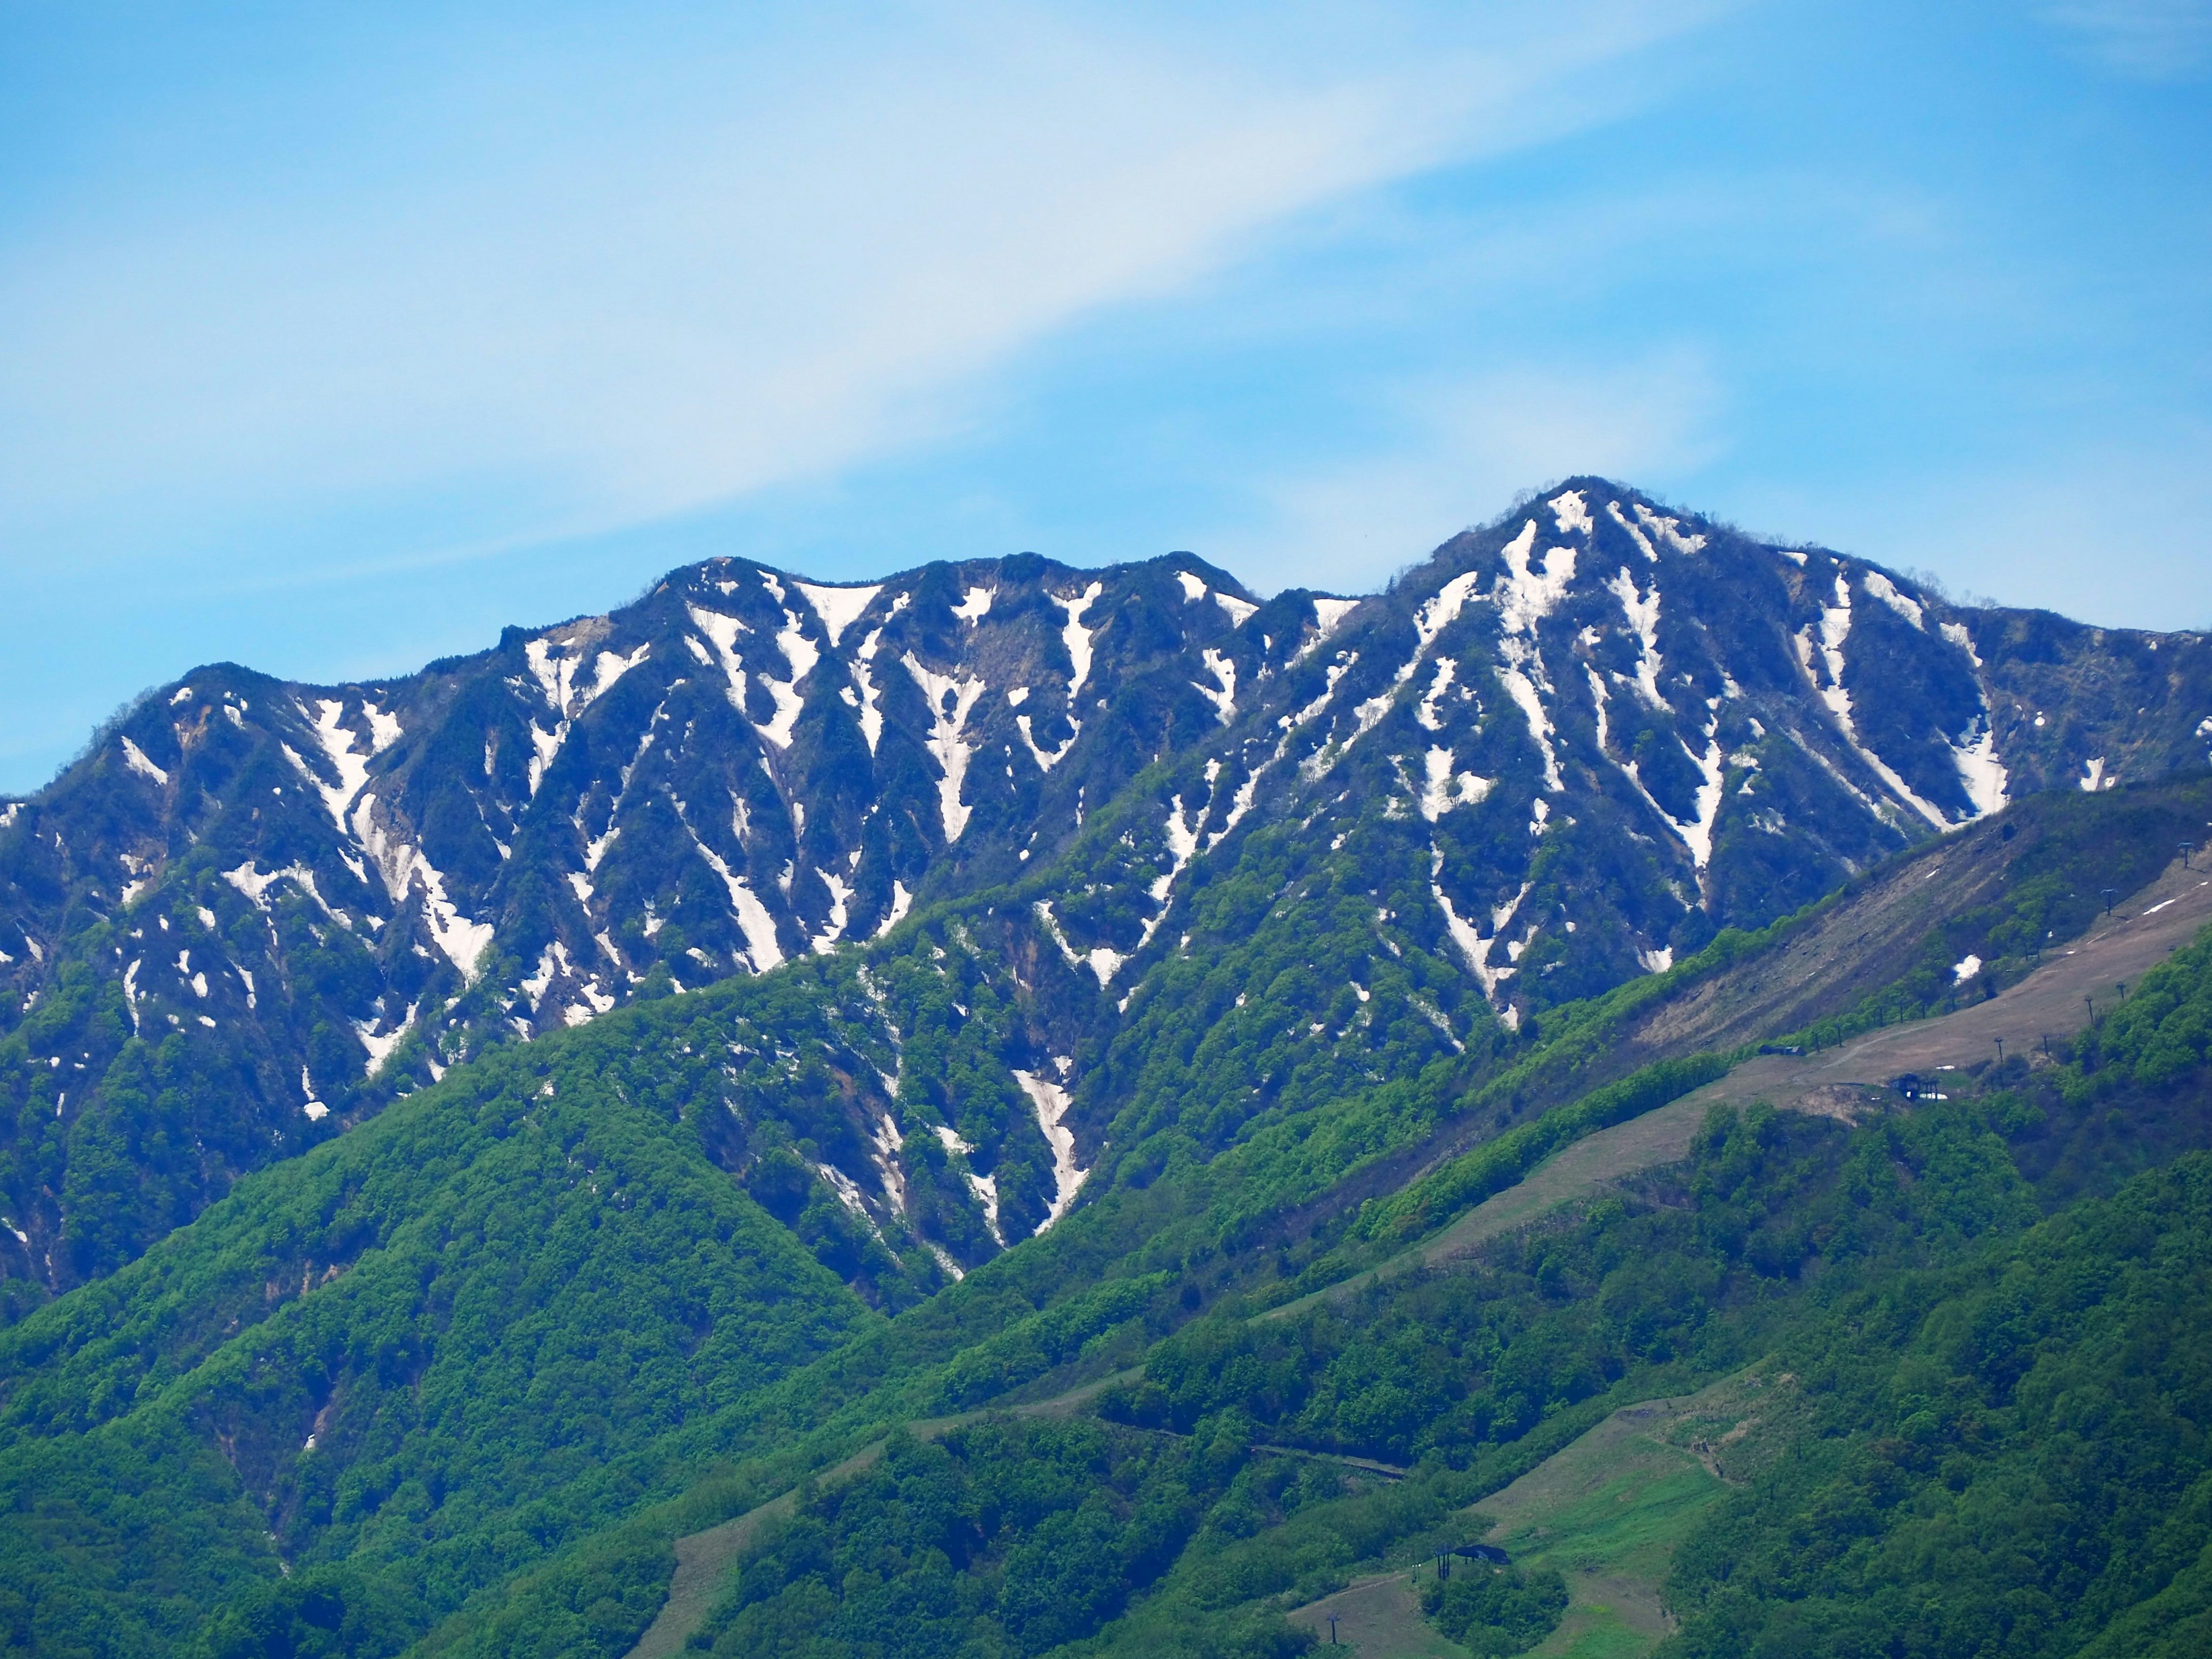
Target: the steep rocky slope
pixel 1563 751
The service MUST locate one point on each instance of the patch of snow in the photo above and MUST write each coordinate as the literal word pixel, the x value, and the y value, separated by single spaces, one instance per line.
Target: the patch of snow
pixel 901 901
pixel 553 959
pixel 381 1047
pixel 937 1254
pixel 1957 634
pixel 1523 597
pixel 722 633
pixel 951 701
pixel 1475 948
pixel 1052 1103
pixel 1642 611
pixel 553 674
pixel 255 885
pixel 1835 626
pixel 1657 962
pixel 403 866
pixel 838 607
pixel 2093 778
pixel 1440 792
pixel 1668 530
pixel 1643 541
pixel 544 746
pixel 1240 611
pixel 1239 804
pixel 1966 968
pixel 247 979
pixel 1048 758
pixel 1328 616
pixel 801 654
pixel 1696 835
pixel 1102 962
pixel 1365 716
pixel 1440 611
pixel 1193 590
pixel 1570 513
pixel 1225 700
pixel 863 670
pixel 383 729
pixel 1076 637
pixel 184 694
pixel 986 1188
pixel 338 748
pixel 134 758
pixel 1979 769
pixel 1335 672
pixel 754 921
pixel 826 940
pixel 316 1111
pixel 1904 604
pixel 1513 678
pixel 973 609
pixel 886 1142
pixel 1426 714
pixel 846 1189
pixel 1181 833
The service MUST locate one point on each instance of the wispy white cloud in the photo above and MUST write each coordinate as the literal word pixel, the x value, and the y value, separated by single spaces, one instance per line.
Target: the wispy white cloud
pixel 2147 40
pixel 601 308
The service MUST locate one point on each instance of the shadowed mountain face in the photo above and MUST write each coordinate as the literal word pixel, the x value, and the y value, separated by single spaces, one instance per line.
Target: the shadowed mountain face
pixel 1565 749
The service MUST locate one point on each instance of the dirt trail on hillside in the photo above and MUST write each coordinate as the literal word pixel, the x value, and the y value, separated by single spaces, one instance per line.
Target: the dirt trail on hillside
pixel 1844 1081
pixel 703 1560
pixel 2052 1002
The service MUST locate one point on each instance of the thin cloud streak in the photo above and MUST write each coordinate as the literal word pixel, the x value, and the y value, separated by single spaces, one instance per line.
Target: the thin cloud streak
pixel 2144 39
pixel 702 305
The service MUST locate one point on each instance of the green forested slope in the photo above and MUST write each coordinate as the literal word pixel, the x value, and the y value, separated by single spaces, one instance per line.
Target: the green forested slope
pixel 1850 1256
pixel 511 1318
pixel 430 1348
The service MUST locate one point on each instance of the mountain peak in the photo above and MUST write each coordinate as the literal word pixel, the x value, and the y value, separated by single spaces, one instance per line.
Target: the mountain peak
pixel 1563 751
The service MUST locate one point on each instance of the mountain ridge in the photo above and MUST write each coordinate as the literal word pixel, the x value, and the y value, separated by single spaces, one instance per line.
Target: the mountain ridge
pixel 1609 728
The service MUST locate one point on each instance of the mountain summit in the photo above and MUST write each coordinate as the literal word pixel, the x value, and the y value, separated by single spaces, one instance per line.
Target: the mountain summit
pixel 1582 739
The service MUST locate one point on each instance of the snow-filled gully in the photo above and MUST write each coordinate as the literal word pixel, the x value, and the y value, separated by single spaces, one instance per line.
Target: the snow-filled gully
pixel 1052 1103
pixel 951 700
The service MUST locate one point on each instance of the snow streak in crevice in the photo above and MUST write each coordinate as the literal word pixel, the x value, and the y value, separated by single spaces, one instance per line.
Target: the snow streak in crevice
pixel 951 700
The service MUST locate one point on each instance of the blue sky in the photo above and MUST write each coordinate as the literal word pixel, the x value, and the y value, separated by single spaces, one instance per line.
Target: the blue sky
pixel 335 338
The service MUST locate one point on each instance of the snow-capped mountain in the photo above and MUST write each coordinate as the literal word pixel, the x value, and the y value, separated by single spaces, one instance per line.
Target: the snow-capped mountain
pixel 1567 748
